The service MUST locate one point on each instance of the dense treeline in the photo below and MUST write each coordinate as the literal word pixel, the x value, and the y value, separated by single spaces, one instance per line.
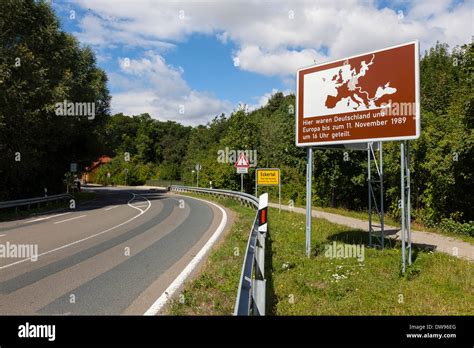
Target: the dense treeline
pixel 142 148
pixel 41 66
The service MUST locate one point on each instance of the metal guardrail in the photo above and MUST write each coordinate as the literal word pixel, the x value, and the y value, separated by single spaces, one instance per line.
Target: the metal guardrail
pixel 35 200
pixel 163 183
pixel 251 293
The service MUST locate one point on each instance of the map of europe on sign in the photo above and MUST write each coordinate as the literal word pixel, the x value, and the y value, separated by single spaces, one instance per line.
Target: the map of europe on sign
pixel 369 97
pixel 343 89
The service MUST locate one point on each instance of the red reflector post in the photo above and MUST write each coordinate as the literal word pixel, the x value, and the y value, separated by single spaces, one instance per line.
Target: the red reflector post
pixel 263 216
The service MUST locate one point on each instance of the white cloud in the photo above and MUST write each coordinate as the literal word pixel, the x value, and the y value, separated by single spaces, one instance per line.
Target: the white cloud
pixel 283 62
pixel 107 32
pixel 150 85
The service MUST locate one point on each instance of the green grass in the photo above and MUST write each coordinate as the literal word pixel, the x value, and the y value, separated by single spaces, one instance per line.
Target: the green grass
pixel 363 215
pixel 435 284
pixel 10 214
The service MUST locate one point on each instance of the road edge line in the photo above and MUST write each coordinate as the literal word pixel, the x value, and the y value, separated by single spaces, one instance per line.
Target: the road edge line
pixel 181 278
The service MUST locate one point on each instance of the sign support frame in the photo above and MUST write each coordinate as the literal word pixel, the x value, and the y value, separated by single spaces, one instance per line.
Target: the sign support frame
pixel 371 194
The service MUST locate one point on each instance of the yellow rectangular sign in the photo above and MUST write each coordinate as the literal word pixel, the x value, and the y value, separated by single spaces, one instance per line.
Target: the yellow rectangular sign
pixel 269 177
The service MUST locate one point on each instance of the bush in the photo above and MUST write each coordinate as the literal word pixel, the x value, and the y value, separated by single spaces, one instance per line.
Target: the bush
pixel 452 226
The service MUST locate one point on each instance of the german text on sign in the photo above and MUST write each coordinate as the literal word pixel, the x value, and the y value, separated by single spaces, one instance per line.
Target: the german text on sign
pixel 268 177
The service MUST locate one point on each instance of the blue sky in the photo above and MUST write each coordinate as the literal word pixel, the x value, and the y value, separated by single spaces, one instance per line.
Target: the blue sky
pixel 189 61
pixel 208 65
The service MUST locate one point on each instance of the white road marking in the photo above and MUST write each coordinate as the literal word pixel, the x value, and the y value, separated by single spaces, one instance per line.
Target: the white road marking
pixel 2 235
pixel 180 279
pixel 84 239
pixel 45 218
pixel 110 208
pixel 132 206
pixel 74 218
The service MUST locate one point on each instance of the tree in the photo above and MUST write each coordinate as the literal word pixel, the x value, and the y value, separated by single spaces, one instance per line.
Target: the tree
pixel 40 66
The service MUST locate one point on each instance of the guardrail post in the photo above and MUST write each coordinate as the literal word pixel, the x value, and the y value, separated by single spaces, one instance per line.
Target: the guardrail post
pixel 259 283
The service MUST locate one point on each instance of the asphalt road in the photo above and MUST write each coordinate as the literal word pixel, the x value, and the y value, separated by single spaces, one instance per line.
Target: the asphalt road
pixel 114 255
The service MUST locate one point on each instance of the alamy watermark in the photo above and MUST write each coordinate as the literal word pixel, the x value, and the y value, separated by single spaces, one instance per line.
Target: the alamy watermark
pixel 337 251
pixel 398 109
pixel 67 108
pixel 231 156
pixel 23 251
pixel 28 330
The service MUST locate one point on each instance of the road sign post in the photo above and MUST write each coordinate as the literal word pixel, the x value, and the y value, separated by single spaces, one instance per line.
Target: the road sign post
pixel 198 169
pixel 309 207
pixel 242 166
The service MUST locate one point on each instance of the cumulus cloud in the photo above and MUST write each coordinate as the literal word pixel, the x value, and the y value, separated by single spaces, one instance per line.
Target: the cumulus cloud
pixel 150 85
pixel 282 62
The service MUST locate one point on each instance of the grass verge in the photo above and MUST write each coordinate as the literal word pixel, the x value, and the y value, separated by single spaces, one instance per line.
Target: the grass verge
pixel 435 284
pixel 415 225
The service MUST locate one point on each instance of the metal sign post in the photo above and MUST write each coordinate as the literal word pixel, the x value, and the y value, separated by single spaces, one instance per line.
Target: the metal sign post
pixel 309 179
pixel 407 166
pixel 405 203
pixel 198 169
pixel 279 197
pixel 242 166
pixel 382 222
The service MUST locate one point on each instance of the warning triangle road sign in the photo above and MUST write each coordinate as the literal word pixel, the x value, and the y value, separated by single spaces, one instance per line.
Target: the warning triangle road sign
pixel 242 162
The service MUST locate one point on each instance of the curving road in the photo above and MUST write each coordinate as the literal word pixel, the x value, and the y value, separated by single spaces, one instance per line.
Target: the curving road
pixel 114 255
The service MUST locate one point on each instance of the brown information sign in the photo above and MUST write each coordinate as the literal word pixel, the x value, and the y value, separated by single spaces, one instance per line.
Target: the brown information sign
pixel 365 98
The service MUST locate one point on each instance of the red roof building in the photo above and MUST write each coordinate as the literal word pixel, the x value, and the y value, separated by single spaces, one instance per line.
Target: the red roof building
pixel 89 172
